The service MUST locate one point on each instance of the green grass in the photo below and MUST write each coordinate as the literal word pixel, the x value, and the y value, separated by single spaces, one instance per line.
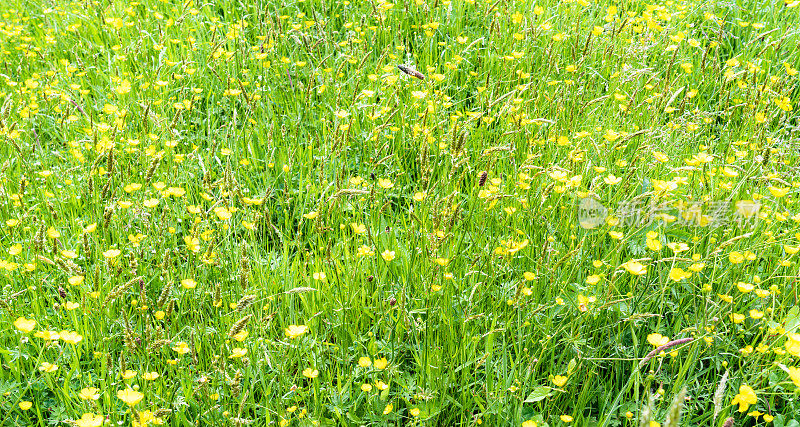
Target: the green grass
pixel 176 172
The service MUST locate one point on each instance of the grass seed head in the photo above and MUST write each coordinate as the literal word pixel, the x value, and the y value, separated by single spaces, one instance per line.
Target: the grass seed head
pixel 674 412
pixel 719 394
pixel 164 295
pixel 152 169
pixel 244 303
pixel 38 240
pixel 239 325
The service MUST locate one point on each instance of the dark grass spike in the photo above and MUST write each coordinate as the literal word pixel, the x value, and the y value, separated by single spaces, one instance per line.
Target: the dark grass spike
pixel 411 71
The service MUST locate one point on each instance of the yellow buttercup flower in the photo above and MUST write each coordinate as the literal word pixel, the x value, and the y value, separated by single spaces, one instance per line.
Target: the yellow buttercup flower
pixel 381 363
pixel 111 253
pixel 677 274
pixel 15 249
pixel 294 331
pixel 223 213
pixel 48 367
pixel 388 255
pixel 71 337
pixel 181 347
pixel 737 318
pixel 90 420
pixel 89 393
pixel 745 398
pixel 24 325
pixel 129 396
pixel 237 352
pixel 778 192
pixel 657 340
pixel 794 375
pixel 189 283
pixel 385 183
pixel 53 233
pixel 241 335
pixel 635 268
pixel 792 344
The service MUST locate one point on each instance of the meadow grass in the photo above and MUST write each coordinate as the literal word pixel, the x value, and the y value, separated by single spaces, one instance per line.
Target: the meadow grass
pixel 244 213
